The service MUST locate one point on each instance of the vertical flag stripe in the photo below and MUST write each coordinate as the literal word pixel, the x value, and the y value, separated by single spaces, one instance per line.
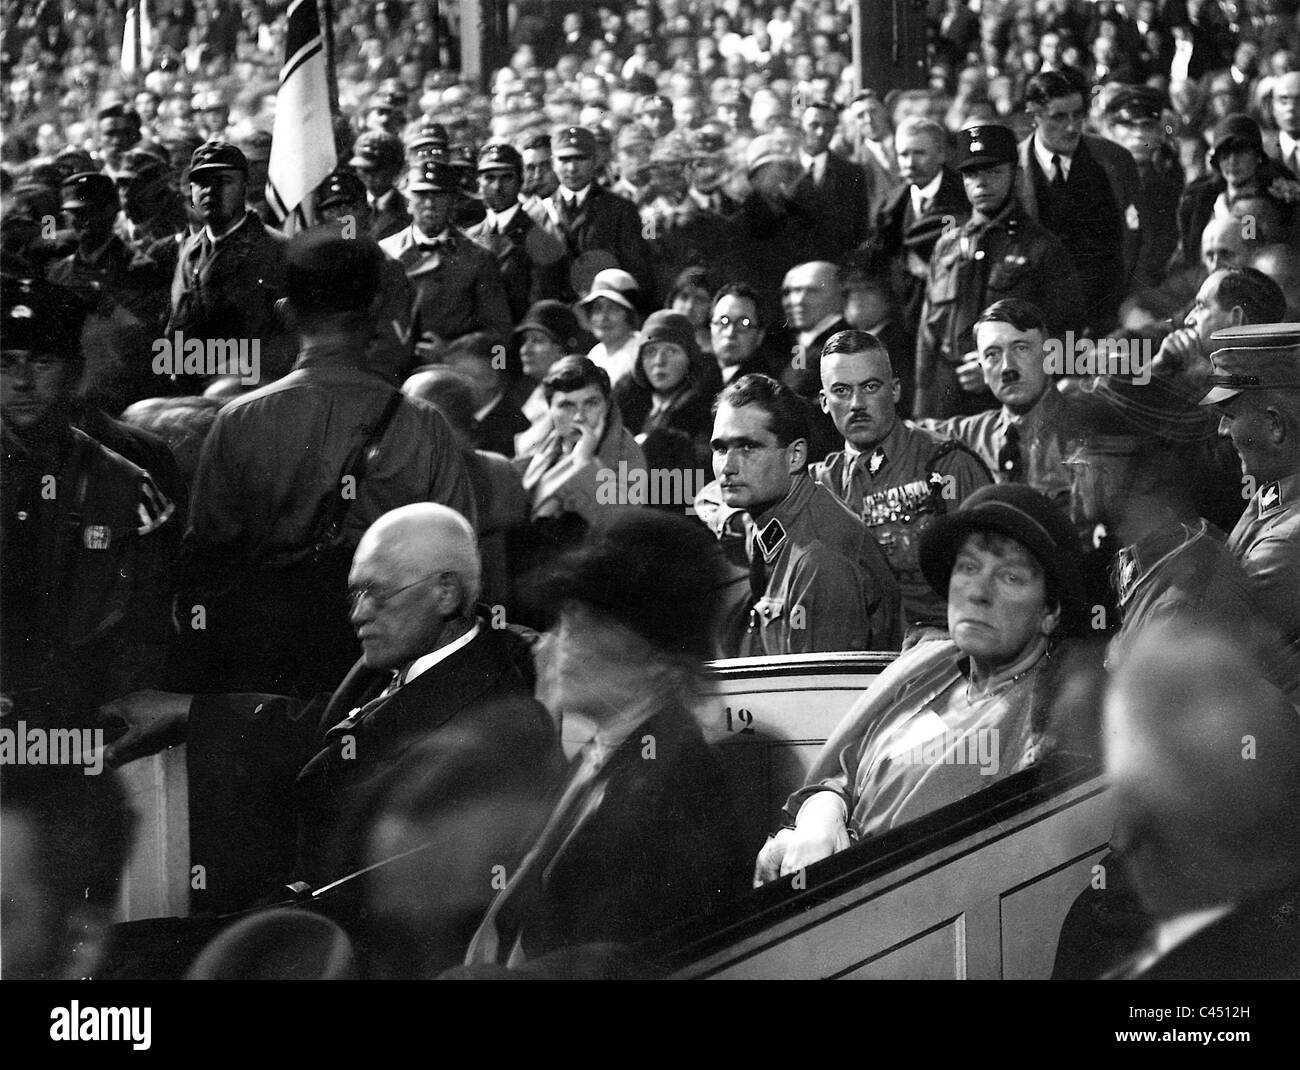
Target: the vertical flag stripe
pixel 302 142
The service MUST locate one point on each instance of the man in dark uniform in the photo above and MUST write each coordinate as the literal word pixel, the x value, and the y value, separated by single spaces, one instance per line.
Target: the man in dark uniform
pixel 231 273
pixel 85 532
pixel 123 292
pixel 599 229
pixel 1083 189
pixel 1000 252
pixel 1255 385
pixel 157 222
pixel 1135 117
pixel 457 285
pixel 896 477
pixel 529 258
pixel 270 521
pixel 817 579
pixel 377 159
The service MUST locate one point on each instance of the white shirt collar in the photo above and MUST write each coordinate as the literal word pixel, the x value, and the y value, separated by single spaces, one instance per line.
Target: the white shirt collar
pixel 424 664
pixel 1044 158
pixel 576 199
pixel 421 238
pixel 215 240
pixel 926 192
pixel 500 220
pixel 1286 145
pixel 806 337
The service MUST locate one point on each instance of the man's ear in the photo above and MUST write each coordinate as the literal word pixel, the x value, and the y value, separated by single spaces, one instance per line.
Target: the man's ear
pixel 826 402
pixel 897 389
pixel 797 455
pixel 1051 619
pixel 1237 315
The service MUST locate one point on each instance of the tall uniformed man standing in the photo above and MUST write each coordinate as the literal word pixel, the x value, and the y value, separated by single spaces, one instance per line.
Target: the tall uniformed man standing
pixel 1255 384
pixel 457 285
pixel 1000 252
pixel 528 257
pixel 231 272
pixel 86 542
pixel 377 160
pixel 898 478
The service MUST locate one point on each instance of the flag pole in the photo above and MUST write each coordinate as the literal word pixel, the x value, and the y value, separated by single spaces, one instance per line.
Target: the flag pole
pixel 327 34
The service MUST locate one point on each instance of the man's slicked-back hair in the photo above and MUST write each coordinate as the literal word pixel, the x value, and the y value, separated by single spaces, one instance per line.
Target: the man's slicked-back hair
pixel 922 124
pixel 787 414
pixel 1260 298
pixel 1021 314
pixel 1052 85
pixel 853 342
pixel 575 373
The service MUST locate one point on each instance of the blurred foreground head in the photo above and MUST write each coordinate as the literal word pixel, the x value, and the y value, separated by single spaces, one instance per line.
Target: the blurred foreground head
pixel 1204 756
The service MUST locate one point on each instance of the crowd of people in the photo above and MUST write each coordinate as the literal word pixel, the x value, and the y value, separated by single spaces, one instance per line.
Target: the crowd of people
pixel 675 344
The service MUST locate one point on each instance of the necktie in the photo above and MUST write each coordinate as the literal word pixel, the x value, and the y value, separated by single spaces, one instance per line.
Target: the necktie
pixel 1058 175
pixel 1010 459
pixel 438 245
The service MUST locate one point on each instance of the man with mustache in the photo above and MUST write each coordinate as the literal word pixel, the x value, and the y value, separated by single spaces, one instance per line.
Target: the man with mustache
pixel 897 477
pixel 1021 441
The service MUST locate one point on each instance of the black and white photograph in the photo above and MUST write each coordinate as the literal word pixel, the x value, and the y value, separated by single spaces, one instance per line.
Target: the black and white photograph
pixel 664 490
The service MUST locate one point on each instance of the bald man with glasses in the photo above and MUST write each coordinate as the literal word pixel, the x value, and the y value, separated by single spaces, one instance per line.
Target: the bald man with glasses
pixel 271 777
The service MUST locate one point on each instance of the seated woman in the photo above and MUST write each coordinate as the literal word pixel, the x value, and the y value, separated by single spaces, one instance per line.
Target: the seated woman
pixel 672 386
pixel 587 438
pixel 549 332
pixel 950 716
pixel 612 315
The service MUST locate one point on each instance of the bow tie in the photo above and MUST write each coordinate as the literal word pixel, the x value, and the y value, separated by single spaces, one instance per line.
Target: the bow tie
pixel 438 245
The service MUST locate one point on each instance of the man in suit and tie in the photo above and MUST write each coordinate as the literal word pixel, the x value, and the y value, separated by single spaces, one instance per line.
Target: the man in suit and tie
pixel 530 260
pixel 916 213
pixel 840 186
pixel 1085 190
pixel 599 229
pixel 457 283
pixel 271 776
pixel 377 159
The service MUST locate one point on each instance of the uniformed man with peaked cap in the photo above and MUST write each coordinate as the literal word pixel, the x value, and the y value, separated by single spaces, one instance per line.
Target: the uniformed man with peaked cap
pixel 1256 387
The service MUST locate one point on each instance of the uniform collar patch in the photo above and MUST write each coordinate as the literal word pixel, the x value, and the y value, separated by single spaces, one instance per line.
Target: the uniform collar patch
pixel 1270 497
pixel 770 539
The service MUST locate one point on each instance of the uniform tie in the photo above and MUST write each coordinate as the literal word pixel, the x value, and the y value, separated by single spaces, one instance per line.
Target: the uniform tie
pixel 1058 175
pixel 1010 459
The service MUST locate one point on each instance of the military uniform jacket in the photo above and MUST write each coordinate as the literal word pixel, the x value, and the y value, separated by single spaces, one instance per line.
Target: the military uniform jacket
pixel 829 586
pixel 458 290
pixel 1266 541
pixel 84 576
pixel 1043 446
pixel 974 265
pixel 605 232
pixel 898 489
pixel 389 215
pixel 529 259
pixel 230 292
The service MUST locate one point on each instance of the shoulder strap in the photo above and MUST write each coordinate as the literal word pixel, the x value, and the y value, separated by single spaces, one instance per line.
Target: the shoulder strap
pixel 355 466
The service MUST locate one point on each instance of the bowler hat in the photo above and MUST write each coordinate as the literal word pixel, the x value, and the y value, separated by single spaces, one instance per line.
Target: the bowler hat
pixel 1018 512
pixel 658 574
pixel 1258 356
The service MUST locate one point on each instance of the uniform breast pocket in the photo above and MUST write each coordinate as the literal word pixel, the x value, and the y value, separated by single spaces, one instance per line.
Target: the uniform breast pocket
pixel 942 288
pixel 1007 277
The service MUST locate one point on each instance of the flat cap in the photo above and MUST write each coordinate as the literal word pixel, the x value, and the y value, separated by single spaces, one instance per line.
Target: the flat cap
pixel 1259 356
pixel 377 148
pixel 218 156
pixel 984 146
pixel 89 189
pixel 40 317
pixel 498 156
pixel 573 141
